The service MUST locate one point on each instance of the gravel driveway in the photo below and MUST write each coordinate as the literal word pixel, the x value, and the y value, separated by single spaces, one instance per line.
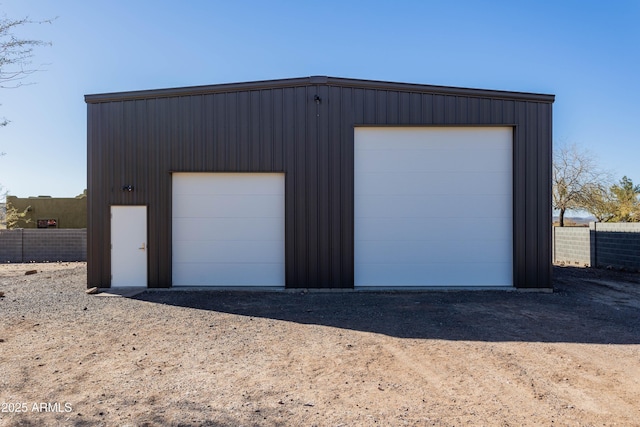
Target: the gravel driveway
pixel 571 357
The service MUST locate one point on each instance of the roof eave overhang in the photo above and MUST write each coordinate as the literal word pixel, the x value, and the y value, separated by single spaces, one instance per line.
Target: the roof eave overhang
pixel 320 81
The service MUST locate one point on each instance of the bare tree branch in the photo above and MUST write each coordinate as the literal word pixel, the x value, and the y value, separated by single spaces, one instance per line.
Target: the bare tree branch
pixel 15 52
pixel 576 178
pixel 15 56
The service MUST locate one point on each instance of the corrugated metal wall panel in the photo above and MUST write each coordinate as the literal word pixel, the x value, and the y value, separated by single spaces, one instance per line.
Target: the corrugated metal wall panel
pixel 287 128
pixel 297 170
pixel 95 174
pixel 245 146
pixel 415 108
pixel 450 116
pixel 277 118
pixel 427 109
pixel 519 194
pixel 335 116
pixel 545 159
pixel 462 109
pixel 282 128
pixel 438 111
pixel 312 178
pixel 353 108
pixel 404 108
pixel 324 190
pixel 531 191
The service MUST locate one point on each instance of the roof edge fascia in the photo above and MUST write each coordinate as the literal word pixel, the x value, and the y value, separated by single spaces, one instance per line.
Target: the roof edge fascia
pixel 315 80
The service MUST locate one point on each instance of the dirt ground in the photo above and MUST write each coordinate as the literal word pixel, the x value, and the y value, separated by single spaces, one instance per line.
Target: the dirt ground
pixel 568 358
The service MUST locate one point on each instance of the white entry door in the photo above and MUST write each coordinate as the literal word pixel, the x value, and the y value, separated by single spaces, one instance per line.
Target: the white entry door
pixel 128 246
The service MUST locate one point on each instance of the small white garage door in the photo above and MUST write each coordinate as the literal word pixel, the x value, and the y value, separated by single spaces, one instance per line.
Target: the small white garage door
pixel 433 207
pixel 228 229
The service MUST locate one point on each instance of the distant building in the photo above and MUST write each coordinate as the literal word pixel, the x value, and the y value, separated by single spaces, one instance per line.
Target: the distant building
pixel 51 212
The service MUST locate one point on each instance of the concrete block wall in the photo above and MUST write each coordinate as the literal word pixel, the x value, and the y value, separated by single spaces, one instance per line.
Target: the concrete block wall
pixel 10 245
pixel 43 245
pixel 616 245
pixel 572 245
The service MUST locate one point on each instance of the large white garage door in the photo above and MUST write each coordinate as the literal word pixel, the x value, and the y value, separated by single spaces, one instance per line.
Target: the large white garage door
pixel 433 206
pixel 228 229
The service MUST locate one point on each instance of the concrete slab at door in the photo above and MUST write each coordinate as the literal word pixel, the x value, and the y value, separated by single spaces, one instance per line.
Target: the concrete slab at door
pixel 128 246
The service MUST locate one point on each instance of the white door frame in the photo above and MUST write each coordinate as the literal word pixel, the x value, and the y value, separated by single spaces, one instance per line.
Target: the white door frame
pixel 129 259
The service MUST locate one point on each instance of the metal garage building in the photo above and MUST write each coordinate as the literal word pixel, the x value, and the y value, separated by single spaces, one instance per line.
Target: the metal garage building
pixel 319 182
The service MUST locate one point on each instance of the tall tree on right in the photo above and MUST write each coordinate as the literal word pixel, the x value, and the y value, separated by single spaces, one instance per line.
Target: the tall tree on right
pixel 601 203
pixel 627 201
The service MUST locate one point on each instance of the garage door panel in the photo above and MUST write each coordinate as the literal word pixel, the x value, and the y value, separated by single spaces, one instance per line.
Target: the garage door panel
pixel 433 274
pixel 229 205
pixel 412 138
pixel 430 160
pixel 225 228
pixel 432 251
pixel 430 183
pixel 227 183
pixel 410 229
pixel 228 229
pixel 228 274
pixel 433 206
pixel 229 251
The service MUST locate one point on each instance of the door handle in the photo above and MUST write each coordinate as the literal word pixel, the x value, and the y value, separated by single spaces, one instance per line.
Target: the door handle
pixel 142 248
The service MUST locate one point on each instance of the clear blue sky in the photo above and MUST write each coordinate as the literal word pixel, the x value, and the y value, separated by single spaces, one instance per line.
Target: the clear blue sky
pixel 587 53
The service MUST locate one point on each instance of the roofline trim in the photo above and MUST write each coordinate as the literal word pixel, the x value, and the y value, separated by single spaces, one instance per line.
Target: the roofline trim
pixel 315 80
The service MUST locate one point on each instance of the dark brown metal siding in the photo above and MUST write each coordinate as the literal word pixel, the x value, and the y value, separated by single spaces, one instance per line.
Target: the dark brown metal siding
pixel 139 139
